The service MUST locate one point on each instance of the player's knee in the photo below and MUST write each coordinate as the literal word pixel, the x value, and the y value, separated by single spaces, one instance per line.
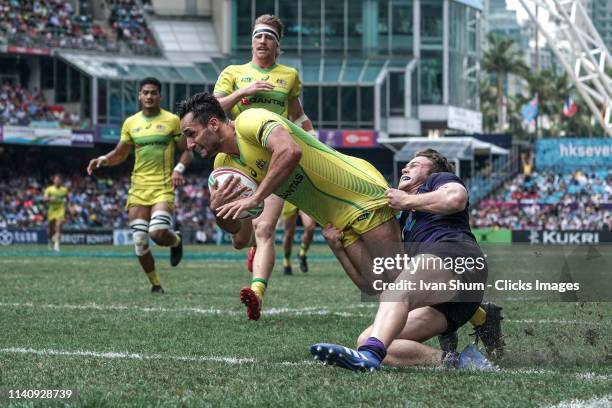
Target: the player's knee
pixel 158 235
pixel 264 230
pixel 240 242
pixel 309 227
pixel 161 221
pixel 140 236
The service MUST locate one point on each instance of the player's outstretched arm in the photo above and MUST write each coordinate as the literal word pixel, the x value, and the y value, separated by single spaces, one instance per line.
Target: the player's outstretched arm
pixel 113 158
pixel 297 116
pixel 184 161
pixel 449 198
pixel 286 155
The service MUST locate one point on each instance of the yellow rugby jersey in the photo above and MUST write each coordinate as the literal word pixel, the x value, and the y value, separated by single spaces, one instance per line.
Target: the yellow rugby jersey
pixel 286 81
pixel 57 197
pixel 329 186
pixel 154 145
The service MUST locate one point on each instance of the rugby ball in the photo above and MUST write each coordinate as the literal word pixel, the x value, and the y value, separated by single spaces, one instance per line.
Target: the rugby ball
pixel 223 173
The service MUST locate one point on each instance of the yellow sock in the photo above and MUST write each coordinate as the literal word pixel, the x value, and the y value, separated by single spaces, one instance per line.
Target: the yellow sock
pixel 153 278
pixel 178 240
pixel 286 262
pixel 479 317
pixel 303 249
pixel 259 285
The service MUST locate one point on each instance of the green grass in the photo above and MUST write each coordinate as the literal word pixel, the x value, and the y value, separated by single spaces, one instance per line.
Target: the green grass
pixel 95 299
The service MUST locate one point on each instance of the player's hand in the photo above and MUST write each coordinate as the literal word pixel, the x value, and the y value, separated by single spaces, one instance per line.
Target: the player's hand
pixel 333 236
pixel 234 209
pixel 228 192
pixel 177 179
pixel 257 86
pixel 398 199
pixel 95 164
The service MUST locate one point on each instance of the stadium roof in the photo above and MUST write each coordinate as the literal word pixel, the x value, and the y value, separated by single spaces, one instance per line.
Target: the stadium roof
pixel 134 68
pixel 462 148
pixel 314 71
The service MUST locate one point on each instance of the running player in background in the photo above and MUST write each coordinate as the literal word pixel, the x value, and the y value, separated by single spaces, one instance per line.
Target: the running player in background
pixel 55 195
pixel 153 134
pixel 261 83
pixel 289 217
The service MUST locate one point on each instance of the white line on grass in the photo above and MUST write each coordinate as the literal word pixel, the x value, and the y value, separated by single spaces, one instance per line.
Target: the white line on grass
pixel 304 311
pixel 586 376
pixel 123 355
pixel 307 311
pixel 601 402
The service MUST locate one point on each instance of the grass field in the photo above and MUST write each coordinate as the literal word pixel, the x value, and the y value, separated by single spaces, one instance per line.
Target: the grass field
pixel 85 319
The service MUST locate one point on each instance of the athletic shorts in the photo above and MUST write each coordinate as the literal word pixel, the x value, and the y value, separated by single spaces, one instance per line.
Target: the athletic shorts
pixel 460 310
pixel 148 198
pixel 289 210
pixel 58 214
pixel 362 224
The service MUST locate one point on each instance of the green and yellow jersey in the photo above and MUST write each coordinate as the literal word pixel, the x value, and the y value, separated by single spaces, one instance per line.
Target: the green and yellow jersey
pixel 154 140
pixel 286 81
pixel 57 197
pixel 329 186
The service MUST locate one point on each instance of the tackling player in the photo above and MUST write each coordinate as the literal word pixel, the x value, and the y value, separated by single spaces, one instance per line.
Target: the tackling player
pixel 55 195
pixel 289 217
pixel 435 227
pixel 153 134
pixel 287 161
pixel 261 83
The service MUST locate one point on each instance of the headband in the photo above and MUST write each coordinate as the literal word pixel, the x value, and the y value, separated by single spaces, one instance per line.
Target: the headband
pixel 268 31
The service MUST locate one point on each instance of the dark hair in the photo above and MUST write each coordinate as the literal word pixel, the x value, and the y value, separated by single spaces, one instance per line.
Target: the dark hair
pixel 440 163
pixel 203 106
pixel 150 81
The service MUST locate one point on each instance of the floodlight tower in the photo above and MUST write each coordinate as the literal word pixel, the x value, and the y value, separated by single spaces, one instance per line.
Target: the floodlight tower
pixel 581 51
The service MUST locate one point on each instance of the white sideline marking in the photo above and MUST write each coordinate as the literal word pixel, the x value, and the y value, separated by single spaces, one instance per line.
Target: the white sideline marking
pixel 308 311
pixel 588 376
pixel 305 311
pixel 601 402
pixel 129 356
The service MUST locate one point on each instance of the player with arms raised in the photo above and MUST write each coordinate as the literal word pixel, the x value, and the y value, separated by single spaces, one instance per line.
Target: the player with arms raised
pixel 261 83
pixel 153 134
pixel 55 195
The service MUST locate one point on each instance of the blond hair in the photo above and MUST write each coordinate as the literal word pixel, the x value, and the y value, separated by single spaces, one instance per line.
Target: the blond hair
pixel 272 21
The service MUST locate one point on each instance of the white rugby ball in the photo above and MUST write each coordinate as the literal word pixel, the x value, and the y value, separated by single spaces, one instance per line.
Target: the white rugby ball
pixel 223 173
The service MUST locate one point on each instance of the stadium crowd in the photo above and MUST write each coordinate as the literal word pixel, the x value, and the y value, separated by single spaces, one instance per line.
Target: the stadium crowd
pixel 542 201
pixel 19 107
pixel 95 202
pixel 128 21
pixel 550 201
pixel 55 24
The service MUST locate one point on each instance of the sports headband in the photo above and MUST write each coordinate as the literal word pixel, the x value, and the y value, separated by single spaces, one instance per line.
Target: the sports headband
pixel 266 31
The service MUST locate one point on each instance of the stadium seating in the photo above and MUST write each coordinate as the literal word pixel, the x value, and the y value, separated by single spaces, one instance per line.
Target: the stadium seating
pixel 19 107
pixel 54 24
pixel 96 202
pixel 573 201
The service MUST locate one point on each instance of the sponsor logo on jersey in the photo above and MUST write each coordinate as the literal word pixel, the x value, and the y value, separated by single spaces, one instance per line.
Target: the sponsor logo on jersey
pixel 261 164
pixel 265 78
pixel 136 130
pixel 265 100
pixel 363 216
pixel 246 79
pixel 253 173
pixel 281 82
pixel 160 127
pixel 293 186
